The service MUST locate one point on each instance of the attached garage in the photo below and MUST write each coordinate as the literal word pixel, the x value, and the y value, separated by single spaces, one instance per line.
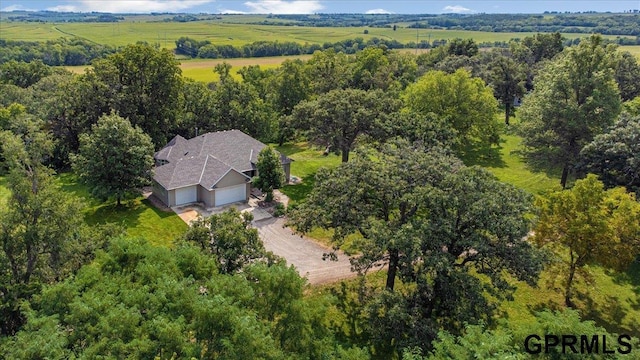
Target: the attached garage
pixel 187 195
pixel 231 194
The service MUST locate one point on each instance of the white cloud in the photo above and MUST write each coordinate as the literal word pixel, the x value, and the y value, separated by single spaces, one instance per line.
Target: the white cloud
pixel 283 7
pixel 130 6
pixel 64 8
pixel 378 11
pixel 16 7
pixel 231 11
pixel 457 9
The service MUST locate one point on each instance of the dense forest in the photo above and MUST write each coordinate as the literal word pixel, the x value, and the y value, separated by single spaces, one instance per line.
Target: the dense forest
pixel 405 192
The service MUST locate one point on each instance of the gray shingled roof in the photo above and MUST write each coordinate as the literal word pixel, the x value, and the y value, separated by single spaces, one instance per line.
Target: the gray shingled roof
pixel 205 159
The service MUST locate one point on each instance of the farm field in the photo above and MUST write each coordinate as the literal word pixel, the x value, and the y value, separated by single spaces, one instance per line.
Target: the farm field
pixel 635 50
pixel 202 69
pixel 166 33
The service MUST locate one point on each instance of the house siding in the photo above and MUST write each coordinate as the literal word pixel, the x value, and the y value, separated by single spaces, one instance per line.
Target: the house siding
pixel 232 178
pixel 160 192
pixel 207 197
pixel 172 198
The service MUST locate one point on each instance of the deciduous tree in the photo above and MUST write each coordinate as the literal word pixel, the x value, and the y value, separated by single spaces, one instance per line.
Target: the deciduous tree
pixel 588 225
pixel 42 237
pixel 115 159
pixel 270 172
pixel 575 99
pixel 433 223
pixel 507 79
pixel 230 237
pixel 615 155
pixel 465 103
pixel 144 86
pixel 337 118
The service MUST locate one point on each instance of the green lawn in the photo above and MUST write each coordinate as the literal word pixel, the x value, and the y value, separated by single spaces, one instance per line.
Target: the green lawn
pixel 306 162
pixel 139 217
pixel 610 299
pixel 4 192
pixel 509 167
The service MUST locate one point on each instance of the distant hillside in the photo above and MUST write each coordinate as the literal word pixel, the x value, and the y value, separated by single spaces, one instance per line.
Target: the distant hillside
pixel 602 23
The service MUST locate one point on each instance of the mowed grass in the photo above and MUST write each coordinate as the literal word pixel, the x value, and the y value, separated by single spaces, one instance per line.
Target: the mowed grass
pixel 611 299
pixel 218 32
pixel 306 162
pixel 138 216
pixel 509 167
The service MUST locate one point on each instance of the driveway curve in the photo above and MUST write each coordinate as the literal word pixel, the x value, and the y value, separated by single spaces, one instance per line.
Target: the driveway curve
pixel 303 253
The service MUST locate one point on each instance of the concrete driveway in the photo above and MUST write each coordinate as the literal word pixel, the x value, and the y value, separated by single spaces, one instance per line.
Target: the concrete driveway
pixel 303 253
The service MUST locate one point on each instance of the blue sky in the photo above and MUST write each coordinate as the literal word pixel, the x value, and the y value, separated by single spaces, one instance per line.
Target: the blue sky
pixel 319 6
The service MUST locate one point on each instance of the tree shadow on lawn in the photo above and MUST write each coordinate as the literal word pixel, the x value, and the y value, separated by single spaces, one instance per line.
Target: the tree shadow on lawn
pixel 127 214
pixel 608 314
pixel 298 192
pixel 289 149
pixel 631 278
pixel 483 155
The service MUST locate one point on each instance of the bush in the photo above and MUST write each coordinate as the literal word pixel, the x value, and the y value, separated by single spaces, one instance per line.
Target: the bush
pixel 279 210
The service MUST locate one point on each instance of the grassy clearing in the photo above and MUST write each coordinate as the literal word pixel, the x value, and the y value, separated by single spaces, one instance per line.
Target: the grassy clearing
pixel 509 167
pixel 610 299
pixel 306 162
pixel 218 32
pixel 4 192
pixel 138 216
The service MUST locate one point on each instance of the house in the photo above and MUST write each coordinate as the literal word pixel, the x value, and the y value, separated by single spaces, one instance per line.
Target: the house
pixel 214 168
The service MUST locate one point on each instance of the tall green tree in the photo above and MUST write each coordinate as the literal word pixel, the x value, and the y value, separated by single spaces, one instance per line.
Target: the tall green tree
pixel 115 159
pixel 615 155
pixel 507 79
pixel 328 71
pixel 575 99
pixel 628 76
pixel 198 114
pixel 144 86
pixel 23 74
pixel 336 119
pixel 42 237
pixel 460 47
pixel 433 223
pixel 588 225
pixel 237 105
pixel 270 172
pixel 464 102
pixel 291 85
pixel 143 301
pixel 533 50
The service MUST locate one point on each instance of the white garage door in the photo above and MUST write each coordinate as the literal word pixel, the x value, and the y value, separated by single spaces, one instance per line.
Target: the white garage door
pixel 187 195
pixel 231 194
